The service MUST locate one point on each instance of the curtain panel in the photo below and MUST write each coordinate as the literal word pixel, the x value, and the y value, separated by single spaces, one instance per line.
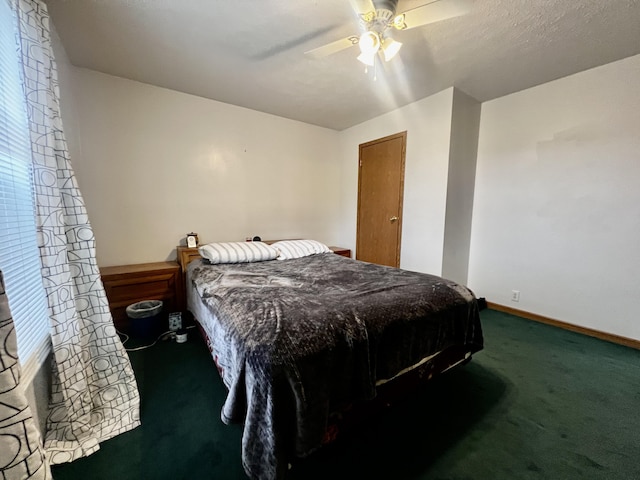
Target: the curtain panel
pixel 94 393
pixel 21 455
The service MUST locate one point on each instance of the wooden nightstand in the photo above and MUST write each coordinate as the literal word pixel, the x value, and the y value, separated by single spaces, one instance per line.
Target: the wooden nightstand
pixel 128 284
pixel 345 252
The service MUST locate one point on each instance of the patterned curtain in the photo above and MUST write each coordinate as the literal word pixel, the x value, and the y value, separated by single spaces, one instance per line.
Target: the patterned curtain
pixel 21 455
pixel 94 393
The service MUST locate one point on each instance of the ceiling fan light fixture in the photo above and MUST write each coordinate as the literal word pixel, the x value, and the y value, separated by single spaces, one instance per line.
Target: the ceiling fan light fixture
pixel 367 59
pixel 390 48
pixel 399 22
pixel 369 43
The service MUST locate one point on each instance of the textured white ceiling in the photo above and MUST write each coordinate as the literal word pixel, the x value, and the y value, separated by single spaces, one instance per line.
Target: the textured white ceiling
pixel 251 52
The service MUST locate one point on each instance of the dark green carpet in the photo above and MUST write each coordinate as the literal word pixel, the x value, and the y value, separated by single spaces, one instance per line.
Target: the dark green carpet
pixel 537 403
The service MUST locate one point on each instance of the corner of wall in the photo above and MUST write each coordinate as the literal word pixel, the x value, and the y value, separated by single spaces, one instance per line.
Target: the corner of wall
pixel 463 152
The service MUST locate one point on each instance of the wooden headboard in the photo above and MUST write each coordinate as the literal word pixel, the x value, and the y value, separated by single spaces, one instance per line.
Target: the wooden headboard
pixel 187 255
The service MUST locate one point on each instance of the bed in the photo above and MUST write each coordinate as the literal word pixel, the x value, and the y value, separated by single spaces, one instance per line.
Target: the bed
pixel 300 340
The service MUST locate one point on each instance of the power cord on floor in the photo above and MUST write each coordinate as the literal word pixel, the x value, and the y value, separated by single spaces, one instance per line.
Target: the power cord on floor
pixel 162 336
pixel 169 334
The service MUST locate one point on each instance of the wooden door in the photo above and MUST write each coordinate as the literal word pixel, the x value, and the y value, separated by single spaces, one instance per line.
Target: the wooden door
pixel 380 193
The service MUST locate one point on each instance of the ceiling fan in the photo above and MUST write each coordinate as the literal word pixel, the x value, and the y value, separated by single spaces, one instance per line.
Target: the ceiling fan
pixel 378 19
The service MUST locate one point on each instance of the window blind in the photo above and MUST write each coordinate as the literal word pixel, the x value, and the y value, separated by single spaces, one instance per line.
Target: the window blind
pixel 19 256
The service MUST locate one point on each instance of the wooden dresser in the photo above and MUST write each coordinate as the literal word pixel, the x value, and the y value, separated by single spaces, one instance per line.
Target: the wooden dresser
pixel 128 284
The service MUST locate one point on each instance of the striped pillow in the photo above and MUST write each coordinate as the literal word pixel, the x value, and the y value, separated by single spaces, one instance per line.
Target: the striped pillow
pixel 237 252
pixel 288 249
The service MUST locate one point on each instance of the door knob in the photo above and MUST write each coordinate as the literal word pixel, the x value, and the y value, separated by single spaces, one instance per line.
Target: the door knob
pixel 393 219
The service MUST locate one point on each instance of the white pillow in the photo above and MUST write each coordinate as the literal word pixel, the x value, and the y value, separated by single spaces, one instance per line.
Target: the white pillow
pixel 237 252
pixel 288 249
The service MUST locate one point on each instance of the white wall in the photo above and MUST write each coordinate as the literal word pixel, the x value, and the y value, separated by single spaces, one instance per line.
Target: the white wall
pixel 154 164
pixel 557 202
pixel 461 179
pixel 428 126
pixel 556 207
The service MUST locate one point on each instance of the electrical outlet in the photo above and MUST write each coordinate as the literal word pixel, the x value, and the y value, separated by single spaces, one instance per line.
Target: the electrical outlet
pixel 175 321
pixel 515 295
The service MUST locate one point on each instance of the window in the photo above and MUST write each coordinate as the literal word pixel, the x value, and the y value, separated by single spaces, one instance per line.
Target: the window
pixel 19 256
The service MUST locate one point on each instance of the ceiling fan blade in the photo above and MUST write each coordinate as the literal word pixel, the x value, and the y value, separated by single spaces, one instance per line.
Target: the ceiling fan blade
pixel 333 47
pixel 363 7
pixel 290 44
pixel 433 12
